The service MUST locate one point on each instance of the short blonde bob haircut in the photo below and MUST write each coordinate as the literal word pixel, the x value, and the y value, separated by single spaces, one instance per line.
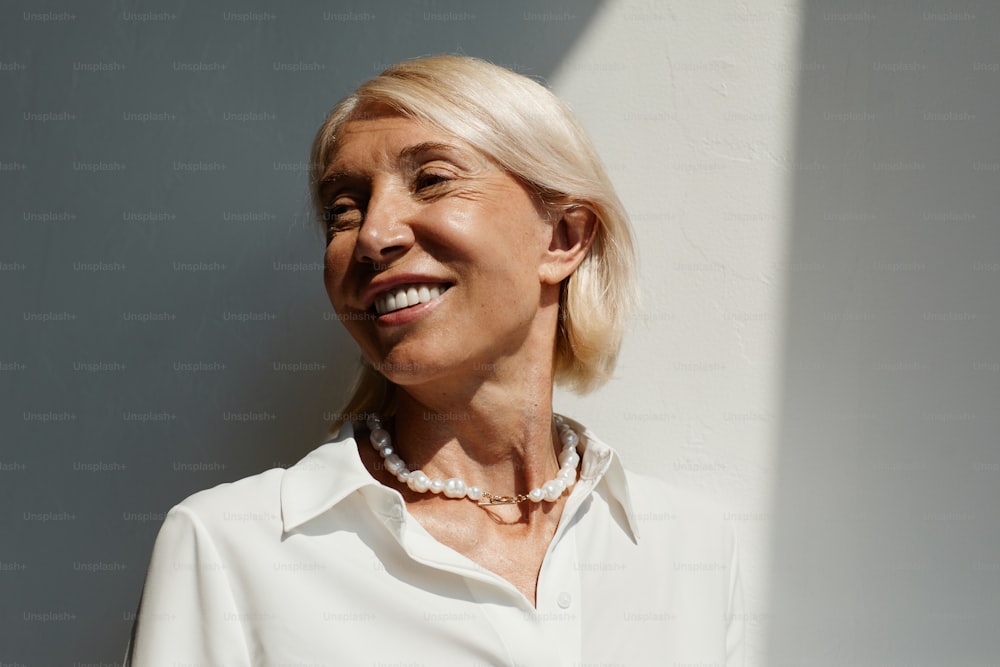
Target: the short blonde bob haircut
pixel 530 133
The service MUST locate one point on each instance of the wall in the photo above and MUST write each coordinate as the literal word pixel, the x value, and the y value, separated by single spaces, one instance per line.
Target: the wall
pixel 886 536
pixel 693 117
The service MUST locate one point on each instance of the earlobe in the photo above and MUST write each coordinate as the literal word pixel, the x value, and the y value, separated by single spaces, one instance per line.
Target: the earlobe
pixel 572 235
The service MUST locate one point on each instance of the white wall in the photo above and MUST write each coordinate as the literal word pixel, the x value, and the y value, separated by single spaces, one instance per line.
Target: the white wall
pixel 692 107
pixel 815 194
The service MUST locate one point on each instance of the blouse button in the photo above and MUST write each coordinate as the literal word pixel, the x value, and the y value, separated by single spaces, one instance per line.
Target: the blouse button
pixel 564 600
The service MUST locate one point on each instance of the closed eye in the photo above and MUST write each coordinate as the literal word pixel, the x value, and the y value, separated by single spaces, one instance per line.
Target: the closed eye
pixel 343 213
pixel 428 179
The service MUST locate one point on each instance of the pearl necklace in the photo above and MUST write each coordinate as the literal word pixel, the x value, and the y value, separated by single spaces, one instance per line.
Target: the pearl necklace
pixel 454 487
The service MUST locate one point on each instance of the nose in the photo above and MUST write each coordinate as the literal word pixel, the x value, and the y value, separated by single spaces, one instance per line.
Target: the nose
pixel 385 233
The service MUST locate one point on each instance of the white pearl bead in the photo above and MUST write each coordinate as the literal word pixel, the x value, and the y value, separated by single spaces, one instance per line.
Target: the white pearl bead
pixel 553 489
pixel 418 481
pixel 568 458
pixel 380 438
pixel 454 487
pixel 394 464
pixel 569 437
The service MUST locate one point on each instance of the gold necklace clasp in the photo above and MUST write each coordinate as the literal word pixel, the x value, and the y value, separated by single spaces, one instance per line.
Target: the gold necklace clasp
pixel 490 499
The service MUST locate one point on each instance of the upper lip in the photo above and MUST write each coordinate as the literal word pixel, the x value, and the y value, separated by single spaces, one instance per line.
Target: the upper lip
pixel 384 283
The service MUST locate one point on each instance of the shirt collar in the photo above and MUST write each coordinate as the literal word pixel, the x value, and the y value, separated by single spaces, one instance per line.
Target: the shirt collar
pixel 323 478
pixel 600 462
pixel 334 470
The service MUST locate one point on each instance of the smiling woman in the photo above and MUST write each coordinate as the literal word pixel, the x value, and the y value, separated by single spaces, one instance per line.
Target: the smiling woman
pixel 477 254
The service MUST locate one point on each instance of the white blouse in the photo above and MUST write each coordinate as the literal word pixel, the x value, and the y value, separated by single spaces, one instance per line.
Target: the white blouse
pixel 320 564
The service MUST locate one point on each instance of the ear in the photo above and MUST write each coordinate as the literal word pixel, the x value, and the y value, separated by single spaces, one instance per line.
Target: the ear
pixel 572 235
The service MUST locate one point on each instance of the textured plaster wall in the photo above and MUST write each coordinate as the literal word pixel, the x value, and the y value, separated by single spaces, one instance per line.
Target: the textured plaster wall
pixel 692 107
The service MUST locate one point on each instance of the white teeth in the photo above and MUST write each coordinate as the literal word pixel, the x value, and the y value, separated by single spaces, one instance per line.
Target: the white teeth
pixel 406 296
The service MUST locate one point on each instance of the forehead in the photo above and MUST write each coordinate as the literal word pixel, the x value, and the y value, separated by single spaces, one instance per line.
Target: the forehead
pixel 390 141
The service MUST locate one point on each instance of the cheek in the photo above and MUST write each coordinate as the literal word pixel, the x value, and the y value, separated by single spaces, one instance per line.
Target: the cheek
pixel 336 259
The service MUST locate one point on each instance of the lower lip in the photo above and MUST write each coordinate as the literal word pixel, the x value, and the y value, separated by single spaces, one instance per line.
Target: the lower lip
pixel 407 315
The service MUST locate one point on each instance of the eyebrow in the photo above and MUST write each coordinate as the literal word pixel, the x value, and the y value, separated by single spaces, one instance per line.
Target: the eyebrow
pixel 408 156
pixel 413 153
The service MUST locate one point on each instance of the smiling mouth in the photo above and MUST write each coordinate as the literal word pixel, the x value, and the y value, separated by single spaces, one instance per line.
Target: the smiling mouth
pixel 406 296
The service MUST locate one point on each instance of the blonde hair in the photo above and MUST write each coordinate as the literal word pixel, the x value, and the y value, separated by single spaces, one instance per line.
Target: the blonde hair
pixel 533 135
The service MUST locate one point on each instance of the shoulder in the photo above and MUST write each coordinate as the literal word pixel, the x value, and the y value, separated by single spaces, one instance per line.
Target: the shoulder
pixel 652 498
pixel 233 510
pixel 691 521
pixel 664 512
pixel 257 492
pixel 650 493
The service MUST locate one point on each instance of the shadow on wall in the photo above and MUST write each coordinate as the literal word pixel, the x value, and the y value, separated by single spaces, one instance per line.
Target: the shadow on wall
pixel 887 542
pixel 167 327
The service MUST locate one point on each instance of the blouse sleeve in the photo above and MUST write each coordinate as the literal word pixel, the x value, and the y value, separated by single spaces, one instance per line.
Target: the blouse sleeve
pixel 735 616
pixel 187 614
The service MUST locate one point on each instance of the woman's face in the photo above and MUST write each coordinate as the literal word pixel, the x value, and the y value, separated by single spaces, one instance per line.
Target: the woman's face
pixel 435 255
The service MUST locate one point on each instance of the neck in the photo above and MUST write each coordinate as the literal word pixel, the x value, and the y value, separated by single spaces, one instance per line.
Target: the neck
pixel 502 441
pixel 489 424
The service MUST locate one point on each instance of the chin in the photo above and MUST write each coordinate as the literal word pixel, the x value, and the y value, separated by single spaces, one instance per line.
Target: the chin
pixel 411 371
pixel 401 373
pixel 401 369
